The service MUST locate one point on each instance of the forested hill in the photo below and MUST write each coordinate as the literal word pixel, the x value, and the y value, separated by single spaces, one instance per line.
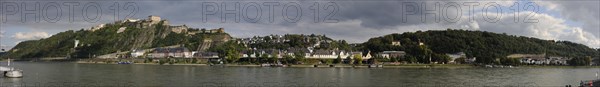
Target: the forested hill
pixel 486 46
pixel 113 38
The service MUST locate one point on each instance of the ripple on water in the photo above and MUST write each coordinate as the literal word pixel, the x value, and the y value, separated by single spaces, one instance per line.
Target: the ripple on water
pixel 157 75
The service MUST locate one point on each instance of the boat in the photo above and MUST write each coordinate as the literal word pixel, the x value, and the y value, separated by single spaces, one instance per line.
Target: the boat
pixel 272 65
pixel 591 83
pixel 497 66
pixel 264 65
pixel 11 72
pixel 124 62
pixel 277 65
pixel 375 65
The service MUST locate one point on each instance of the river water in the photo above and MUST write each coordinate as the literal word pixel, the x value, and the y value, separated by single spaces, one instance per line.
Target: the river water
pixel 61 74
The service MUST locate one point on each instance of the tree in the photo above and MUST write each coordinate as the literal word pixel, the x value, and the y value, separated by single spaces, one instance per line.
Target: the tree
pixel 288 59
pixel 232 56
pixel 263 58
pixel 426 56
pixel 588 60
pixel 274 58
pixel 460 60
pixel 194 60
pixel 394 59
pixel 580 61
pixel 327 61
pixel 349 60
pixel 377 58
pixel 486 46
pixel 358 59
pixel 442 58
pixel 228 50
pixel 575 62
pixel 298 57
pixel 258 57
pixel 410 59
pixel 338 60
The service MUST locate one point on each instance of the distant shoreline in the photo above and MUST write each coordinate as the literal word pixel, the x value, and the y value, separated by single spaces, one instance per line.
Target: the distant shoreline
pixel 308 65
pixel 320 65
pixel 356 66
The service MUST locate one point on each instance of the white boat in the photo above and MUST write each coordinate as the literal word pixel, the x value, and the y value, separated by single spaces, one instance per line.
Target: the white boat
pixel 375 65
pixel 11 72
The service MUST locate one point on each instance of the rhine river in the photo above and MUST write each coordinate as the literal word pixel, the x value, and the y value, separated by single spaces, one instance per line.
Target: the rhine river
pixel 61 74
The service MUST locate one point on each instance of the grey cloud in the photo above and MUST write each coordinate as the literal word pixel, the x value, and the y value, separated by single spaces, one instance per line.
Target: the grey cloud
pixel 550 28
pixel 357 20
pixel 583 11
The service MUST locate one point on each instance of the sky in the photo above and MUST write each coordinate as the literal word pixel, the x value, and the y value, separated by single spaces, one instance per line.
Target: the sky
pixel 352 20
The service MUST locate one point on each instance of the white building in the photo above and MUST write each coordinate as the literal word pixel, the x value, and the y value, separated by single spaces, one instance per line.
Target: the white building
pixel 137 53
pixel 455 56
pixel 154 19
pixel 179 52
pixel 392 54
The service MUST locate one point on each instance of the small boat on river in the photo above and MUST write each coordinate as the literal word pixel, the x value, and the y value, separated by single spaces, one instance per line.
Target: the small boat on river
pixel 127 62
pixel 11 72
pixel 590 83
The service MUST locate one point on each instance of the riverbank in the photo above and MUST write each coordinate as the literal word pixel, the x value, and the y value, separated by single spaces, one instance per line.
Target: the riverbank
pixel 539 66
pixel 351 65
pixel 311 65
pixel 206 63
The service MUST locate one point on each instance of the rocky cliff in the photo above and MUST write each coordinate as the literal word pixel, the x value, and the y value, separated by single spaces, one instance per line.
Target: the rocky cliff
pixel 117 37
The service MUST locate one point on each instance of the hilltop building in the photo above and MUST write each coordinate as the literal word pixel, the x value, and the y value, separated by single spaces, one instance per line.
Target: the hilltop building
pixel 97 27
pixel 154 19
pixel 179 29
pixel 396 43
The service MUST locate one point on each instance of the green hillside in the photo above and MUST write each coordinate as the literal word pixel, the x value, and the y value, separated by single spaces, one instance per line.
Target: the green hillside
pixel 485 46
pixel 108 40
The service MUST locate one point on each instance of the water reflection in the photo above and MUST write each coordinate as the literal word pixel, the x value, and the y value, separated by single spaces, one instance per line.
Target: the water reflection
pixel 72 74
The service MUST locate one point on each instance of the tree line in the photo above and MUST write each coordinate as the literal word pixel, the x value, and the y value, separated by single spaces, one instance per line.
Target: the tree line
pixel 487 47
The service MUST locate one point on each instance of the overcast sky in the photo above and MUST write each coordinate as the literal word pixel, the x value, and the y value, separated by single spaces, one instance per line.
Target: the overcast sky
pixel 353 20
